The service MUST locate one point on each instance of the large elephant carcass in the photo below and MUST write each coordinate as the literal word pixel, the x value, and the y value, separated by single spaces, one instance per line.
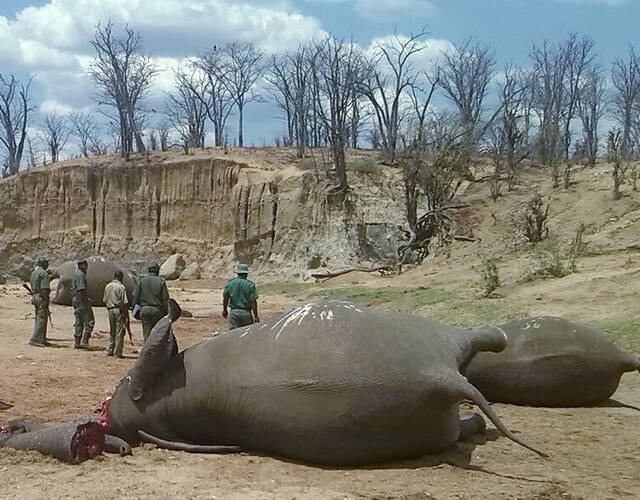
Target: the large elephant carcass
pixel 328 383
pixel 100 272
pixel 551 361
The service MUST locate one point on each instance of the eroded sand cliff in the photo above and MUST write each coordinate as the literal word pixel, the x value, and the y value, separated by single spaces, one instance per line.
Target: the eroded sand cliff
pixel 211 208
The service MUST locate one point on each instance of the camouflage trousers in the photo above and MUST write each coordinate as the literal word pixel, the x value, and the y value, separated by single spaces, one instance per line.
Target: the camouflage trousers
pixel 39 335
pixel 150 315
pixel 116 332
pixel 84 323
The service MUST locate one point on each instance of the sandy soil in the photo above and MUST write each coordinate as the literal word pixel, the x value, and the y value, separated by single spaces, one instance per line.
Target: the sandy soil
pixel 593 450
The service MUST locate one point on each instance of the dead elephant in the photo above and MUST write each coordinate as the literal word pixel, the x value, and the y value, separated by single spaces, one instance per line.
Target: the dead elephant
pixel 327 383
pixel 553 362
pixel 100 272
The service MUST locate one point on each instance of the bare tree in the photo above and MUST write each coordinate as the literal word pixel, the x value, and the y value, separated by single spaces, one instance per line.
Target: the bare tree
pixel 390 74
pixel 32 152
pixel 186 111
pixel 465 73
pixel 292 82
pixel 14 119
pixel 214 95
pixel 338 71
pixel 548 78
pixel 85 128
pixel 242 66
pixel 614 153
pixel 507 138
pixel 558 74
pixel 55 133
pixel 163 136
pixel 625 75
pixel 421 96
pixel 591 107
pixel 578 62
pixel 432 173
pixel 123 76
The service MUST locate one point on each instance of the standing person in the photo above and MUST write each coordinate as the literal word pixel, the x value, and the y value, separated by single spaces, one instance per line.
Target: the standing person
pixel 240 295
pixel 39 282
pixel 84 318
pixel 115 300
pixel 152 297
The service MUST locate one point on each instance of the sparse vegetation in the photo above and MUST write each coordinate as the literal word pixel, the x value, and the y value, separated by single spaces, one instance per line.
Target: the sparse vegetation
pixel 489 275
pixel 529 219
pixel 548 260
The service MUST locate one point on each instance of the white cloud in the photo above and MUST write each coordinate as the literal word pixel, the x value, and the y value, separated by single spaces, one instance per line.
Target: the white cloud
pixel 382 9
pixel 52 41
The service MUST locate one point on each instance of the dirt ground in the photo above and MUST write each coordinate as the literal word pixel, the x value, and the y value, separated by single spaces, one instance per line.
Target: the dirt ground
pixel 593 451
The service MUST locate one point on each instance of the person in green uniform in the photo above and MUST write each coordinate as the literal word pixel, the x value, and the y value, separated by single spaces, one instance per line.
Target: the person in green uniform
pixel 84 318
pixel 241 297
pixel 115 300
pixel 152 297
pixel 39 282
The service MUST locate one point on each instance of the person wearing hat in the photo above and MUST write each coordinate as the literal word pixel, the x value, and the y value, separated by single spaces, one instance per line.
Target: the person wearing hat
pixel 152 297
pixel 82 312
pixel 240 295
pixel 39 282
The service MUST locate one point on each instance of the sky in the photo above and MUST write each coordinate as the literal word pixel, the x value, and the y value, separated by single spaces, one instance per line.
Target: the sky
pixel 50 38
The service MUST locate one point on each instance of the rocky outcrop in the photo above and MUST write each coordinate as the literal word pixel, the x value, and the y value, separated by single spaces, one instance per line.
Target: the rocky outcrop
pixel 211 210
pixel 173 267
pixel 191 272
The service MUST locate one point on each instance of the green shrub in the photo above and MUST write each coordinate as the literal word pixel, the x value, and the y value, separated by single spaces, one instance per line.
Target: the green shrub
pixel 489 275
pixel 548 260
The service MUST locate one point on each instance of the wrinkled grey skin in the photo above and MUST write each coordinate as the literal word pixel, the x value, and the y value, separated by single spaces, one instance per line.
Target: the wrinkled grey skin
pixel 553 362
pixel 72 442
pixel 99 273
pixel 328 383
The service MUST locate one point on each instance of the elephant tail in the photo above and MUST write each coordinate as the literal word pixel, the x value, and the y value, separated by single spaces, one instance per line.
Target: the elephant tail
pixel 473 394
pixel 192 448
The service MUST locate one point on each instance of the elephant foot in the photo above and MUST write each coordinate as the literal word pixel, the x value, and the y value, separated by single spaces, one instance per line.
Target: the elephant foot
pixel 470 424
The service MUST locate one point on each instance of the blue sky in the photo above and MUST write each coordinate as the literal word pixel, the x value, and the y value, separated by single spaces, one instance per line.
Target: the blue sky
pixel 49 38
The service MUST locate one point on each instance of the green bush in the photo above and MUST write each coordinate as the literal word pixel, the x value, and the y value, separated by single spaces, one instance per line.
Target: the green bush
pixel 489 275
pixel 548 260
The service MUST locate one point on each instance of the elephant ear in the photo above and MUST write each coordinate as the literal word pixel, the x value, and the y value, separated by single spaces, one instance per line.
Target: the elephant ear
pixel 156 352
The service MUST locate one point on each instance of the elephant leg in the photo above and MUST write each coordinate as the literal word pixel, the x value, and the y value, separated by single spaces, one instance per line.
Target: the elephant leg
pixel 470 424
pixel 193 448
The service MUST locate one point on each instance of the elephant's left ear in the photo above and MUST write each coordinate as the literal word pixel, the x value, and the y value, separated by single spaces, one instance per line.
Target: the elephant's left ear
pixel 157 350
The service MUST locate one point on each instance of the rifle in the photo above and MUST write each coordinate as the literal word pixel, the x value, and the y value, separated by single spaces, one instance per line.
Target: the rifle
pixel 28 289
pixel 127 323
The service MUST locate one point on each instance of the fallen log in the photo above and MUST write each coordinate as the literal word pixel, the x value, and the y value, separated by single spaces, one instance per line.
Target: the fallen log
pixel 334 274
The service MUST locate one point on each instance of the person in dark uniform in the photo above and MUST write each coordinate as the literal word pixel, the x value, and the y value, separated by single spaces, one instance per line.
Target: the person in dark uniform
pixel 39 282
pixel 152 297
pixel 241 297
pixel 84 318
